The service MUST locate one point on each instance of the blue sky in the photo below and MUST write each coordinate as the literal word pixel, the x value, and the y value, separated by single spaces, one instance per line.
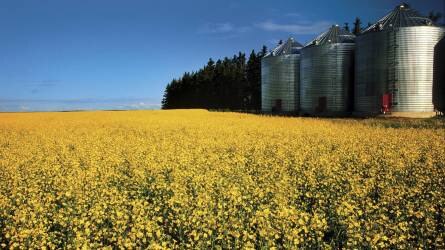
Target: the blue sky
pixel 120 54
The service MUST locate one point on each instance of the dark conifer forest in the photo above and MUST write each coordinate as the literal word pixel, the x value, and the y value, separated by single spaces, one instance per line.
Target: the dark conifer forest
pixel 229 83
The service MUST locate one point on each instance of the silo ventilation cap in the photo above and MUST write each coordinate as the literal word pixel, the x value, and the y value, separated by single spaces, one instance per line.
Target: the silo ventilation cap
pixel 403 6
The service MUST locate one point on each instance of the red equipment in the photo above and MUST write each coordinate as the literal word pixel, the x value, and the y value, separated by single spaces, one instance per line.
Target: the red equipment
pixel 386 103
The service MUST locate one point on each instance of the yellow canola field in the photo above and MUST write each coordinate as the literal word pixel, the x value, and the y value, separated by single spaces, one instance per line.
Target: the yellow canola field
pixel 197 179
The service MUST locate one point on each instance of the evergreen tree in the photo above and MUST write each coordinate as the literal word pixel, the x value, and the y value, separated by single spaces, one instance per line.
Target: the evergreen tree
pixel 231 83
pixel 252 96
pixel 263 51
pixel 357 26
pixel 166 97
pixel 435 16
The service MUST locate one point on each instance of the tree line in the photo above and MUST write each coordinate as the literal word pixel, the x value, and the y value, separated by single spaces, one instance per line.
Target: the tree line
pixel 231 83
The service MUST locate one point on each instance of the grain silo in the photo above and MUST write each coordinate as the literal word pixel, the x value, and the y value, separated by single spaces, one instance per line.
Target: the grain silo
pixel 439 77
pixel 280 77
pixel 394 64
pixel 327 68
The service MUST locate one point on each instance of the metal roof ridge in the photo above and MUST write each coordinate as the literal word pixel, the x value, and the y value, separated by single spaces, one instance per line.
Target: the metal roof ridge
pixel 288 47
pixel 401 16
pixel 334 34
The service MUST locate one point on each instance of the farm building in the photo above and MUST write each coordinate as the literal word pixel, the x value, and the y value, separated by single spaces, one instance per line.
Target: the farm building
pixel 394 64
pixel 326 73
pixel 280 78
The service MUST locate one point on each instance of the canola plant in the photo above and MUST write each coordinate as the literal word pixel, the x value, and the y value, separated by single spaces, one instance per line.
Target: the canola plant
pixel 196 179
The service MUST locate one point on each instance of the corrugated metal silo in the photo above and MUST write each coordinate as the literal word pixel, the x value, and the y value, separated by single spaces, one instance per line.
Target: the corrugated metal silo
pixel 439 77
pixel 394 61
pixel 326 78
pixel 280 78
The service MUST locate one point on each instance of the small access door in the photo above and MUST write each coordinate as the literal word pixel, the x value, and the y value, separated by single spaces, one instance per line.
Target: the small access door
pixel 386 103
pixel 278 106
pixel 322 104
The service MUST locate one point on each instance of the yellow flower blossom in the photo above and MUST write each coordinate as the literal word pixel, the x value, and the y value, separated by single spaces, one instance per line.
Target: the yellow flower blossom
pixel 195 179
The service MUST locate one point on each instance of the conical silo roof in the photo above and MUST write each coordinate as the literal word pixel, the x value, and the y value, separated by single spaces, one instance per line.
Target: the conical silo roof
pixel 401 16
pixel 334 35
pixel 289 47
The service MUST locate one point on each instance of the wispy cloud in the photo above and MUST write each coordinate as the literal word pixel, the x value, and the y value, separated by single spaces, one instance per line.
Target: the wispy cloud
pixel 9 105
pixel 23 108
pixel 299 28
pixel 141 105
pixel 212 28
pixel 222 28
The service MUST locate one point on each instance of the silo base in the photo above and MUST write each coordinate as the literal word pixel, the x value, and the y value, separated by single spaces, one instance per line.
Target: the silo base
pixel 398 114
pixel 412 114
pixel 325 114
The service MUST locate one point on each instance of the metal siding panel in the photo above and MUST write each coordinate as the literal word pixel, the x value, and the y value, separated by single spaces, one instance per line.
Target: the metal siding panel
pixel 280 79
pixel 326 71
pixel 398 61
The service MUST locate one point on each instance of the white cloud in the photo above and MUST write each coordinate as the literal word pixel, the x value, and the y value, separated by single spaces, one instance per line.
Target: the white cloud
pixel 217 28
pixel 227 30
pixel 24 108
pixel 300 28
pixel 141 105
pixel 222 28
pixel 79 104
